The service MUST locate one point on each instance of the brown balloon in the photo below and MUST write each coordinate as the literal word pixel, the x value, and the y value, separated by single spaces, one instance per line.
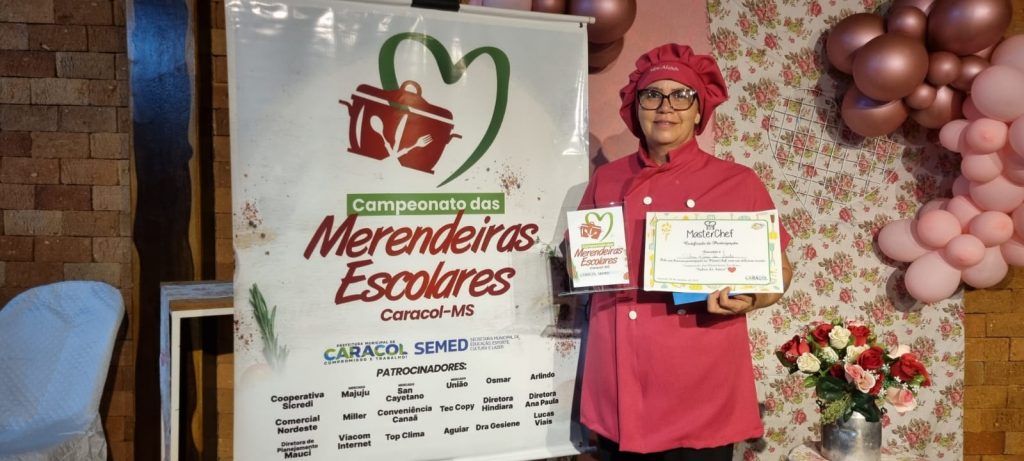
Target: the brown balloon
pixel 923 5
pixel 943 68
pixel 986 54
pixel 600 55
pixel 964 27
pixel 907 20
pixel 868 117
pixel 848 35
pixel 612 18
pixel 947 107
pixel 970 67
pixel 922 97
pixel 890 67
pixel 549 6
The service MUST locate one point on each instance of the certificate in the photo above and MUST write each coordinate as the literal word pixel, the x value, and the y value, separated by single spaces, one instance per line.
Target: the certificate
pixel 597 245
pixel 701 252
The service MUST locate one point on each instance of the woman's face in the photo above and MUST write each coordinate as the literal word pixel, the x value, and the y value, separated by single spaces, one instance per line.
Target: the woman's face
pixel 666 128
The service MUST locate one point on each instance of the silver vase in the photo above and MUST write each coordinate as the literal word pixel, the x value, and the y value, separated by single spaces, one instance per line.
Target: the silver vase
pixel 853 440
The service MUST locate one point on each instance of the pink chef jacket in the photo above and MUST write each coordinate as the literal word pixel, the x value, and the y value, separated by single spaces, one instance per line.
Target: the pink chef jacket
pixel 657 376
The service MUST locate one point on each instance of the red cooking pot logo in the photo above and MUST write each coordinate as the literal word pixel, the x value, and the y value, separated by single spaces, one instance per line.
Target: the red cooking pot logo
pixel 398 124
pixel 396 121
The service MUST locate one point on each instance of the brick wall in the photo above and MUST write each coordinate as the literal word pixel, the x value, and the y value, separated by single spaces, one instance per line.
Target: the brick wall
pixel 994 354
pixel 64 165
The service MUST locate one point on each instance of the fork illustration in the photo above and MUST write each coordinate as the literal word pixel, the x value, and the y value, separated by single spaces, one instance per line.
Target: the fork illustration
pixel 423 141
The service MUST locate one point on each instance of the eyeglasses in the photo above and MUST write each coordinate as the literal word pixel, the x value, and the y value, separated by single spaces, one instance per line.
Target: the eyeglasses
pixel 651 99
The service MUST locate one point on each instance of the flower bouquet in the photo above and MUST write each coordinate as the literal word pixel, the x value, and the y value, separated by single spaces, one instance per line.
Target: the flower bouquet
pixel 850 372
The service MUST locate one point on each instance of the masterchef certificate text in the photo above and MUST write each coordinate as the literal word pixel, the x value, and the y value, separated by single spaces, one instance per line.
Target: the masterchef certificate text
pixel 702 252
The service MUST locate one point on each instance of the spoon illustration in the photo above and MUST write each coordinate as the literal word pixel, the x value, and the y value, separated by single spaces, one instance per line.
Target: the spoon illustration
pixel 377 125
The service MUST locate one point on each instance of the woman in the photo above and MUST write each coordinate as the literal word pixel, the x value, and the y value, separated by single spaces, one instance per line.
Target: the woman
pixel 672 382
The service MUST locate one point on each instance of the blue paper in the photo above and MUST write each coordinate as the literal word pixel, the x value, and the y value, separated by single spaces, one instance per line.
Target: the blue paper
pixel 684 298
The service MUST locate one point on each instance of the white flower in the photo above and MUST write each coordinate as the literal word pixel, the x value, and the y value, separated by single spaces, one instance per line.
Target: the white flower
pixel 828 355
pixel 808 363
pixel 839 337
pixel 899 351
pixel 852 352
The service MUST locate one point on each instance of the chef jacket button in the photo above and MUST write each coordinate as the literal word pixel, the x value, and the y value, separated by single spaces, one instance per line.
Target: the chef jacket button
pixel 632 315
pixel 647 200
pixel 680 311
pixel 690 203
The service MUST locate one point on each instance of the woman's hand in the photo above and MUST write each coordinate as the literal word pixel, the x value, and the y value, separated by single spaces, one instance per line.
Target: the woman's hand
pixel 720 303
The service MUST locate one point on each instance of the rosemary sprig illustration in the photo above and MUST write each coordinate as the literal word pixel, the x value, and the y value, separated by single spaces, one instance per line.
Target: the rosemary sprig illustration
pixel 272 351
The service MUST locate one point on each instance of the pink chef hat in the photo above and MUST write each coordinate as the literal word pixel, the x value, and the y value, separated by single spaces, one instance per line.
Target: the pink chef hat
pixel 674 62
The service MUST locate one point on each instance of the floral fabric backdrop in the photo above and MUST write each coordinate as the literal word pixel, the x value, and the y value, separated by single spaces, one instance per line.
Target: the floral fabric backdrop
pixel 835 191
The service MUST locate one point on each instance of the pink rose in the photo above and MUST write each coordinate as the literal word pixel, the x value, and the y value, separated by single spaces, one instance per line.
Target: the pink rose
pixel 815 9
pixel 901 399
pixel 860 378
pixel 810 252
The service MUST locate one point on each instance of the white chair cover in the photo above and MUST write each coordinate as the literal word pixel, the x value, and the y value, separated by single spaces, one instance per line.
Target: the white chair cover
pixel 55 347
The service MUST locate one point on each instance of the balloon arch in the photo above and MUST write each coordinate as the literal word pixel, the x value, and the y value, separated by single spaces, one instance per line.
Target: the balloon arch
pixel 945 65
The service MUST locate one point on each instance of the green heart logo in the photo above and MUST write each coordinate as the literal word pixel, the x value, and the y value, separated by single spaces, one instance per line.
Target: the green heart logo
pixel 451 72
pixel 599 219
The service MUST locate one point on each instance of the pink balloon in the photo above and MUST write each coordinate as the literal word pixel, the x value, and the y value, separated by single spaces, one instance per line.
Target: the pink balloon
pixel 985 135
pixel 1018 220
pixel 964 209
pixel 950 134
pixel 1013 251
pixel 1013 165
pixel 1016 135
pixel 998 92
pixel 937 227
pixel 971 111
pixel 964 251
pixel 981 167
pixel 988 272
pixel 899 241
pixel 930 278
pixel 1010 52
pixel 992 227
pixel 997 195
pixel 849 35
pixel 961 186
pixel 934 204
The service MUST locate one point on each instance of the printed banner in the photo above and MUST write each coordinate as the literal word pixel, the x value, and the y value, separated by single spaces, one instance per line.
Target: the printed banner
pixel 398 179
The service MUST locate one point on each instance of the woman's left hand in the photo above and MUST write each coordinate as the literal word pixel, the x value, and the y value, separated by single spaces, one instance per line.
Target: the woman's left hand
pixel 720 303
